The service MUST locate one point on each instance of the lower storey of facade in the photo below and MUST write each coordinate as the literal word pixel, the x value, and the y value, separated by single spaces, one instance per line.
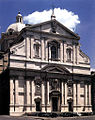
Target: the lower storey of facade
pixel 27 91
pixel 52 95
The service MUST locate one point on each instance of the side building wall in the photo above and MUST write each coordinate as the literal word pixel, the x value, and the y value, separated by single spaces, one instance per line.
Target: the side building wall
pixel 93 92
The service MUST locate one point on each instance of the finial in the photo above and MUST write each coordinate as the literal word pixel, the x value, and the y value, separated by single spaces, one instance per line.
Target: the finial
pixel 18 12
pixel 53 16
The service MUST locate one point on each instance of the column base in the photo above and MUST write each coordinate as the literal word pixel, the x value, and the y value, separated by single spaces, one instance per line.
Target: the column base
pixel 64 108
pixel 17 113
pixel 48 108
pixel 33 108
pixel 43 108
pixel 79 108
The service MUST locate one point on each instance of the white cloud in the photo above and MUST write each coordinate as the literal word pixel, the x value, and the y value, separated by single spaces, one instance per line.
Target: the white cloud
pixel 67 18
pixel 92 69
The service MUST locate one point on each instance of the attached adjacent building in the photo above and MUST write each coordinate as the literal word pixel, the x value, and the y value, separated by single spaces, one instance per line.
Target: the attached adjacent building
pixel 45 68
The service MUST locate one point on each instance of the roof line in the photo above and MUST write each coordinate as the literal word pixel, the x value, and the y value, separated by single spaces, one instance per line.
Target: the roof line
pixel 39 24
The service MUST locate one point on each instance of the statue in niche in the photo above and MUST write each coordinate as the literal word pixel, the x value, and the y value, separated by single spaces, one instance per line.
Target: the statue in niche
pixel 69 91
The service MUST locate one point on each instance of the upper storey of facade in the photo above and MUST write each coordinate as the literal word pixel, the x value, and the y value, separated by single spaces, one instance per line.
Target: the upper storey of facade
pixel 41 44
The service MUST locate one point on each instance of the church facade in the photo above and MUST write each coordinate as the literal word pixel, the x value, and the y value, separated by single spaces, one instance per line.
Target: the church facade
pixel 46 69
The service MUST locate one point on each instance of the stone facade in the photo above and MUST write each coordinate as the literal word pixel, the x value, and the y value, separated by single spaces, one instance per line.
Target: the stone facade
pixel 48 71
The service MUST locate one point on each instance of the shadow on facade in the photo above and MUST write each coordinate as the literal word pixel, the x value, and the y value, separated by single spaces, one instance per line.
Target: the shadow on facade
pixel 4 93
pixel 93 92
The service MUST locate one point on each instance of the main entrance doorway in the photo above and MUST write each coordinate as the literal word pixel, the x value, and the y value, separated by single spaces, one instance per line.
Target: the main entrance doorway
pixel 38 106
pixel 70 106
pixel 55 104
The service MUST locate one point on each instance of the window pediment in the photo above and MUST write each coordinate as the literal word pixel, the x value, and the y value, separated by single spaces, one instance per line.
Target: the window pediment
pixel 55 69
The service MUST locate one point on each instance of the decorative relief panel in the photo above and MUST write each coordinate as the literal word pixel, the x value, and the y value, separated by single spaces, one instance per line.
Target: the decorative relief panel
pixel 54 83
pixel 70 86
pixel 37 85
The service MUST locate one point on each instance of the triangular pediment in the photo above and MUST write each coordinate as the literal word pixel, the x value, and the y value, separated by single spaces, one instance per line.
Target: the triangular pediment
pixel 55 69
pixel 60 28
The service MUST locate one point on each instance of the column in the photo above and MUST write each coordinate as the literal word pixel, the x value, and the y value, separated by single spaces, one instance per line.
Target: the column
pixel 33 92
pixel 61 51
pixel 90 109
pixel 62 97
pixel 62 93
pixel 49 53
pixel 78 95
pixel 89 94
pixel 65 93
pixel 11 95
pixel 16 95
pixel 85 94
pixel 66 107
pixel 32 50
pixel 42 46
pixel 28 95
pixel 74 95
pixel 48 92
pixel 43 97
pixel 65 56
pixel 48 102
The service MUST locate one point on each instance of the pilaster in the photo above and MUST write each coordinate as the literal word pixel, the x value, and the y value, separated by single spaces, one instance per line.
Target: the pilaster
pixel 46 50
pixel 65 93
pixel 89 94
pixel 27 47
pixel 78 95
pixel 62 97
pixel 74 54
pixel 77 54
pixel 61 51
pixel 28 95
pixel 11 95
pixel 43 97
pixel 65 56
pixel 32 50
pixel 48 99
pixel 33 93
pixel 74 96
pixel 42 48
pixel 16 95
pixel 90 108
pixel 85 95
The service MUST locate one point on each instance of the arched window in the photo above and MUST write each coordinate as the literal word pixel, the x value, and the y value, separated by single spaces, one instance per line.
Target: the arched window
pixel 69 54
pixel 53 52
pixel 10 31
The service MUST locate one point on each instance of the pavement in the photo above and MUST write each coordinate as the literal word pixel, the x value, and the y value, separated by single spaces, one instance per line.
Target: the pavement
pixel 4 117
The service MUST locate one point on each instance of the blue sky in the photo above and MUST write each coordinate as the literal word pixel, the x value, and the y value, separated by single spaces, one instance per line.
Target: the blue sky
pixel 85 9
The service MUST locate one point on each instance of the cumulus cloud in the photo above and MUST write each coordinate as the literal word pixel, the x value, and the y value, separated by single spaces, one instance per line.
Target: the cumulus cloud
pixel 67 18
pixel 92 69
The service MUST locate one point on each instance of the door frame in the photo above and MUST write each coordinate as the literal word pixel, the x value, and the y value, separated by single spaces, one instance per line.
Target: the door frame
pixel 70 102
